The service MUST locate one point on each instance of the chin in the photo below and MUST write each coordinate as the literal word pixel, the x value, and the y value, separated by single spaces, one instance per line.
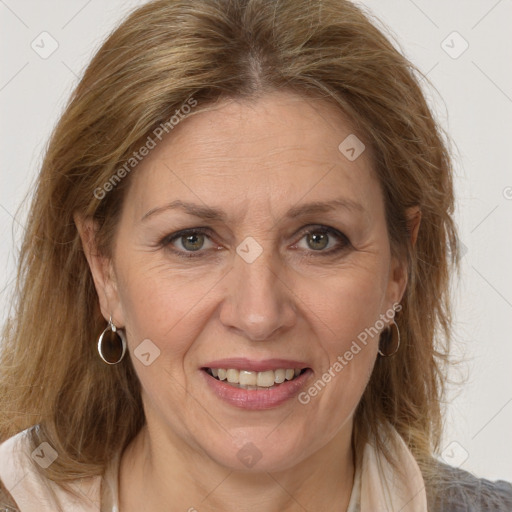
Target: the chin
pixel 258 451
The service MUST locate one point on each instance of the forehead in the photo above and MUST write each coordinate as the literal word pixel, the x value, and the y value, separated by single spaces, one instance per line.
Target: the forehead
pixel 279 150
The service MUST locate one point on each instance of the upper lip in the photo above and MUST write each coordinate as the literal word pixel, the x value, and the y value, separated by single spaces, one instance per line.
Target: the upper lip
pixel 242 363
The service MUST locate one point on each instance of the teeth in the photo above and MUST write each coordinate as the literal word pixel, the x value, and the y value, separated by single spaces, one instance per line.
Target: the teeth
pixel 248 378
pixel 233 376
pixel 254 380
pixel 279 376
pixel 265 379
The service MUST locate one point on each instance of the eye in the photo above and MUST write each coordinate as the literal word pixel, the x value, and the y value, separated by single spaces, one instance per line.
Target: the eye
pixel 193 242
pixel 319 238
pixel 188 241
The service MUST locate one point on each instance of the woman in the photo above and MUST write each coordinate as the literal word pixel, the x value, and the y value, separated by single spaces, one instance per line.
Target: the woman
pixel 233 288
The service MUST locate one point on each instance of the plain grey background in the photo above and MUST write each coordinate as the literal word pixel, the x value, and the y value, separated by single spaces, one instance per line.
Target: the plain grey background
pixel 464 47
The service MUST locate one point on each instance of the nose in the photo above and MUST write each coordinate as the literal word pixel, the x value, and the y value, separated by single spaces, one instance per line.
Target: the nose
pixel 259 301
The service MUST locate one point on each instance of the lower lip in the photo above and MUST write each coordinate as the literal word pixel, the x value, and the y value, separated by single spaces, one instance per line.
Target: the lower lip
pixel 257 399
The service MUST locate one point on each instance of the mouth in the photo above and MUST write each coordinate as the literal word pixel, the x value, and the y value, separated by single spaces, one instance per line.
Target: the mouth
pixel 256 385
pixel 255 380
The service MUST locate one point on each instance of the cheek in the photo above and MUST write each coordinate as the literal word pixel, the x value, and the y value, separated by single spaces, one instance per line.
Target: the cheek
pixel 349 302
pixel 163 305
pixel 346 313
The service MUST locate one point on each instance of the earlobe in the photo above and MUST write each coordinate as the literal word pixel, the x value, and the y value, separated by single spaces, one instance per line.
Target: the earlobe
pixel 99 265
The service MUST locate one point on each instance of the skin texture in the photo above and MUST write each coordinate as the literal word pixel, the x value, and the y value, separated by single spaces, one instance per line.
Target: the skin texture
pixel 255 161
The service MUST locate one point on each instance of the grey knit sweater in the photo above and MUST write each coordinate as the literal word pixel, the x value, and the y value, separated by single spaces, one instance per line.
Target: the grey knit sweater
pixel 464 492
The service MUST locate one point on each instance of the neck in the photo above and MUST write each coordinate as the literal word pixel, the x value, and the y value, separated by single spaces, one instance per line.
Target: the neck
pixel 154 474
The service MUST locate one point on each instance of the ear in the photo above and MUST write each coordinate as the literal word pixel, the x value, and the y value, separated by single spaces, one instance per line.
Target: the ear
pixel 398 271
pixel 413 215
pixel 101 269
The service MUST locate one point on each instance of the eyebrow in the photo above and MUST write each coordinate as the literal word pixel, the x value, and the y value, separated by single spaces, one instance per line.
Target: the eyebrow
pixel 215 214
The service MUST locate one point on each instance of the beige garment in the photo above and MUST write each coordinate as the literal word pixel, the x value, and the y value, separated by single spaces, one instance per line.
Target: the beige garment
pixel 30 491
pixel 376 486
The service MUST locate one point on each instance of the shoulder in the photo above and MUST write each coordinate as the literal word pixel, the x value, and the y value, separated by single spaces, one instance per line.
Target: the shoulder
pixel 461 491
pixel 14 455
pixel 7 503
pixel 10 468
pixel 23 483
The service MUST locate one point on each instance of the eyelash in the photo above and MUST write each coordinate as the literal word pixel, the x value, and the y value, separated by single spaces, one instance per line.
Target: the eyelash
pixel 166 242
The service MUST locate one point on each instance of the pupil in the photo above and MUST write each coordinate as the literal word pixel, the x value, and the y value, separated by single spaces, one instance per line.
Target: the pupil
pixel 318 238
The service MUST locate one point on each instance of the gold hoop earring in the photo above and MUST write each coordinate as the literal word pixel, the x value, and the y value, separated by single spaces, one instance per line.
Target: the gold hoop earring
pixel 112 344
pixel 389 340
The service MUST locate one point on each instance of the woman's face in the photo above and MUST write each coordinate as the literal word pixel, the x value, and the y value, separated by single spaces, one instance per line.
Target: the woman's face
pixel 285 264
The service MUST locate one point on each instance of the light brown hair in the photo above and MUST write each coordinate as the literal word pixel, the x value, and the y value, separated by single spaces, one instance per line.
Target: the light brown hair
pixel 164 53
